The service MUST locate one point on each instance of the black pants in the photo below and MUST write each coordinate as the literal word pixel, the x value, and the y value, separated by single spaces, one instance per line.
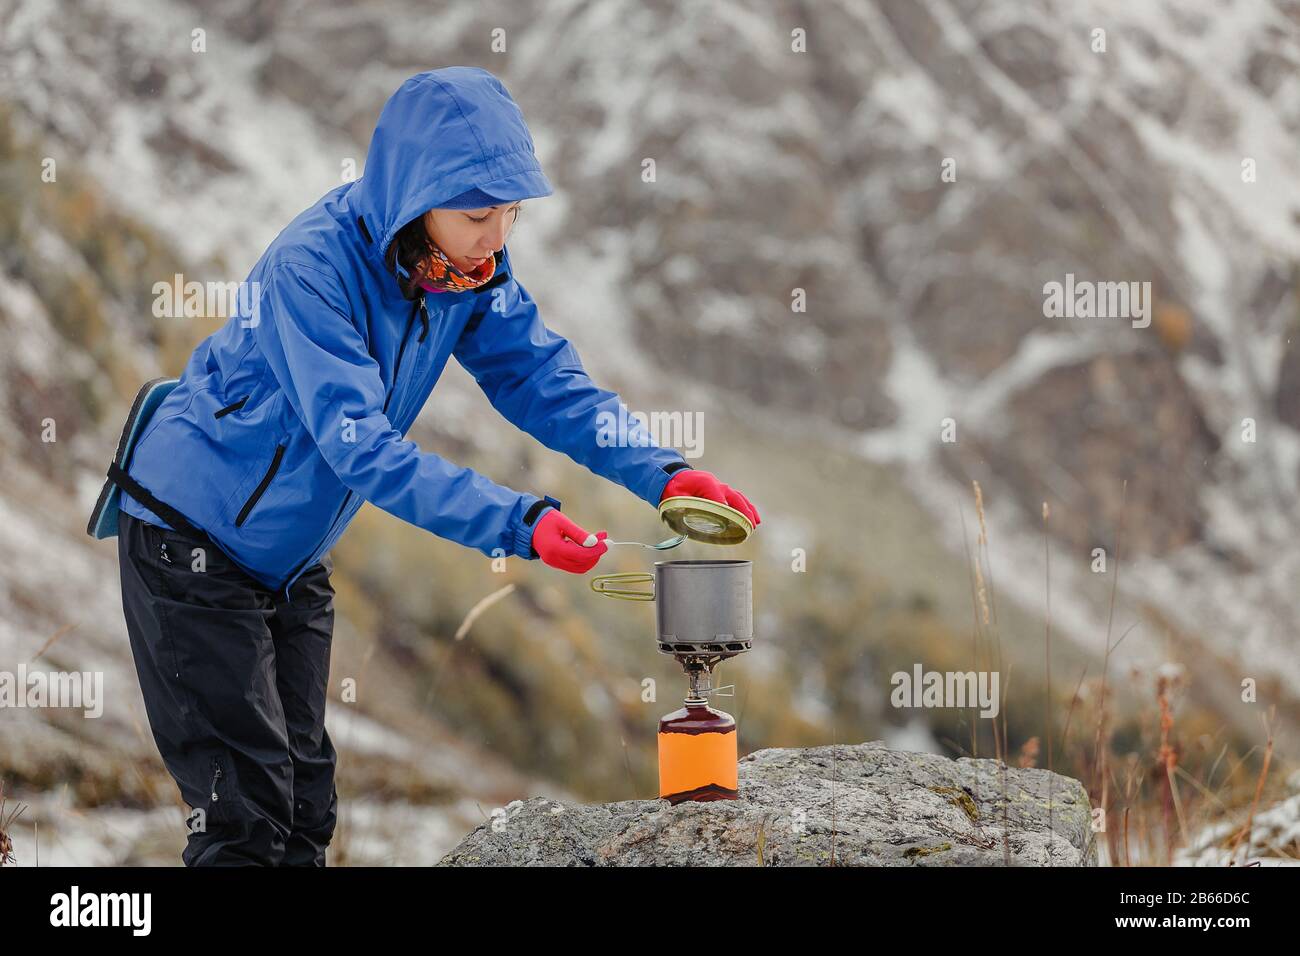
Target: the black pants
pixel 234 682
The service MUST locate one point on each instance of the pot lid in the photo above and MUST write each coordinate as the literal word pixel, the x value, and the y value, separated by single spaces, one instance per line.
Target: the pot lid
pixel 701 519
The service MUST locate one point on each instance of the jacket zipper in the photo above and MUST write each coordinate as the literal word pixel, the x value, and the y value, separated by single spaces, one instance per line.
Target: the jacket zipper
pixel 261 487
pixel 424 318
pixel 397 366
pixel 422 311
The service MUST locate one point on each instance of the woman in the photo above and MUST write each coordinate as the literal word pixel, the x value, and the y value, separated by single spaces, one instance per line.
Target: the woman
pixel 291 415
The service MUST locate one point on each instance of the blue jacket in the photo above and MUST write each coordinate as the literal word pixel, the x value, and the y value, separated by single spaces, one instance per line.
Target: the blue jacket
pixel 294 412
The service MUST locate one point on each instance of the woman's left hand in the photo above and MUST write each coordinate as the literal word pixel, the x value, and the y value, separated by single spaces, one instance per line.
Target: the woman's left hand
pixel 704 484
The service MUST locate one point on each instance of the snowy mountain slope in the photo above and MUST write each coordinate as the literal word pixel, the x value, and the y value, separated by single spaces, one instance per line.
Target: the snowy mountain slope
pixel 778 171
pixel 822 172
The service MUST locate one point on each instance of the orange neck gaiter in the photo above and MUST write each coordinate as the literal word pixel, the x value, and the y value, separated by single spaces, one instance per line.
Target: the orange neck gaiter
pixel 443 276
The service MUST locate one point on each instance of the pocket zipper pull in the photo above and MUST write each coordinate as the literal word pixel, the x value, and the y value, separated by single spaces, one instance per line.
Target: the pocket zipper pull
pixel 215 778
pixel 424 319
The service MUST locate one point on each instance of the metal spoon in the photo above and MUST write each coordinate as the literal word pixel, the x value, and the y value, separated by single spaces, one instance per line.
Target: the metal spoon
pixel 661 546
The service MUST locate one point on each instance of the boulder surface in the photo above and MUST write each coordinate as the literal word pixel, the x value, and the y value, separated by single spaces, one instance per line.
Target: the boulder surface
pixel 841 805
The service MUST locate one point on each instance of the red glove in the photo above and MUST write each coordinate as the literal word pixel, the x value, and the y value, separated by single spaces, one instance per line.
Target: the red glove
pixel 703 484
pixel 558 542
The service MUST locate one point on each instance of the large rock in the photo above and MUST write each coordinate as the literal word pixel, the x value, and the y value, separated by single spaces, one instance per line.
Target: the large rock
pixel 846 805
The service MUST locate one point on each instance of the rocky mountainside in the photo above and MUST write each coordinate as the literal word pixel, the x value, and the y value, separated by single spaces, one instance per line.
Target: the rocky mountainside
pixel 777 174
pixel 924 297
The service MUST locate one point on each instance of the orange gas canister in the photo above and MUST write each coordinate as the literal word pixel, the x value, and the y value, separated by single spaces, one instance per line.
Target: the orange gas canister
pixel 697 754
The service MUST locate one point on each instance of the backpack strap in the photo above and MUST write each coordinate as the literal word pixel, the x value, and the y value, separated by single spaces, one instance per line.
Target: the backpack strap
pixel 165 511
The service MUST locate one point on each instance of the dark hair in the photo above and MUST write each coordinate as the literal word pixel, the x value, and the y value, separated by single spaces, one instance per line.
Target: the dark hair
pixel 412 247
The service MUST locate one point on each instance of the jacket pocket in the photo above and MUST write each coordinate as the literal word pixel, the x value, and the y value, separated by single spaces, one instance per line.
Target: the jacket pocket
pixel 232 407
pixel 261 486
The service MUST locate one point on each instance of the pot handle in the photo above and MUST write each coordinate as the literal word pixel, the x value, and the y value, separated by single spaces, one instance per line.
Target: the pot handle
pixel 623 593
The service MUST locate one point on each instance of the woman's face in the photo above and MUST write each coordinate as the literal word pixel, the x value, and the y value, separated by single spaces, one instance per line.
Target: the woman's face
pixel 468 236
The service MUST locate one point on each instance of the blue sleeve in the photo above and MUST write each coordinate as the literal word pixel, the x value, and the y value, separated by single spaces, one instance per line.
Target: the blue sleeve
pixel 535 379
pixel 305 332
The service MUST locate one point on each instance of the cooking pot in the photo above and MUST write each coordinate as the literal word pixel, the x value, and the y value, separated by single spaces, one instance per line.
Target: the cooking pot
pixel 703 608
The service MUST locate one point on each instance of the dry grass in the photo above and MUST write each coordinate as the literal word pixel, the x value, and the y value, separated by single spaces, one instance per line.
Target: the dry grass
pixel 8 818
pixel 1141 751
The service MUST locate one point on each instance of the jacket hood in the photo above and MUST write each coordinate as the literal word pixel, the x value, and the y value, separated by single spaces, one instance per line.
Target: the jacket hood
pixel 442 133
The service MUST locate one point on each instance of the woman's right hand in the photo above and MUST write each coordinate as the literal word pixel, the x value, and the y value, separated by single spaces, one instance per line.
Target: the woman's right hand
pixel 559 543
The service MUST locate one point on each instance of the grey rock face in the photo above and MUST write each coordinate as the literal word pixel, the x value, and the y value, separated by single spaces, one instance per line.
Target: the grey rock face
pixel 842 805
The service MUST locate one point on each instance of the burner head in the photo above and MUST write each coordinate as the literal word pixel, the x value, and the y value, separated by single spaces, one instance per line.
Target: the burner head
pixel 721 646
